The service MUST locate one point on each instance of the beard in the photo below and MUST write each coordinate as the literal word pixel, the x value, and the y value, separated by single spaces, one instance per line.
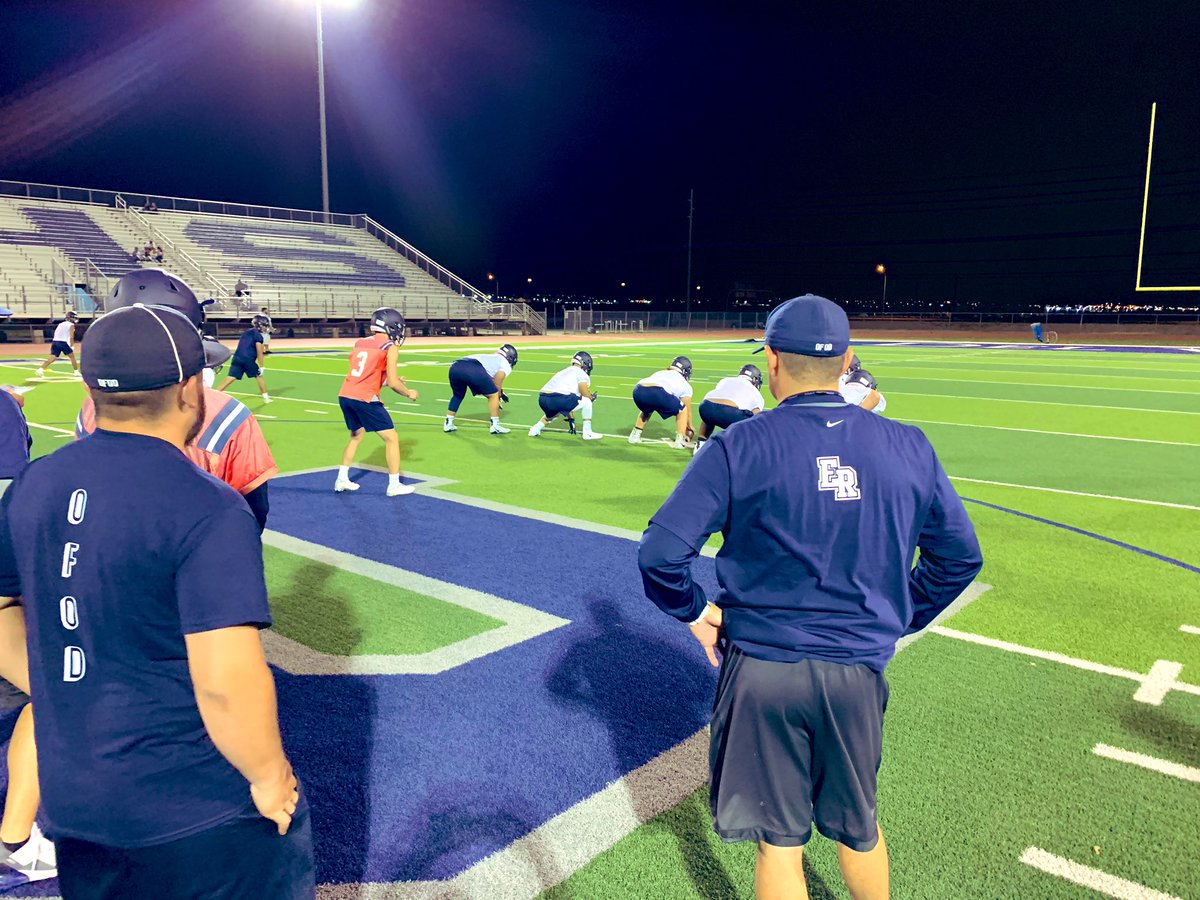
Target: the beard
pixel 201 411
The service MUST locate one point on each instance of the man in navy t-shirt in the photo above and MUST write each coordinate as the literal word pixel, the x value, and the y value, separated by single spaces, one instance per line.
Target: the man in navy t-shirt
pixel 822 506
pixel 162 767
pixel 249 355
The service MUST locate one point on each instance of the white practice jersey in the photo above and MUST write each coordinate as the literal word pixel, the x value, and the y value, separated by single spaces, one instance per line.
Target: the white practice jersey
pixel 671 381
pixel 493 363
pixel 568 381
pixel 64 331
pixel 738 391
pixel 855 392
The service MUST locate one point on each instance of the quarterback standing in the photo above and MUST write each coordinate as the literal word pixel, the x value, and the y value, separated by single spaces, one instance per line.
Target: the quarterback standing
pixel 372 365
pixel 63 344
pixel 249 355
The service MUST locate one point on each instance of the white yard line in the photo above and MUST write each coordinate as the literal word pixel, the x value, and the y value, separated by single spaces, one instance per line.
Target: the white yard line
pixel 1050 490
pixel 65 431
pixel 1152 688
pixel 1189 629
pixel 1098 437
pixel 1041 384
pixel 1086 876
pixel 1178 412
pixel 1153 763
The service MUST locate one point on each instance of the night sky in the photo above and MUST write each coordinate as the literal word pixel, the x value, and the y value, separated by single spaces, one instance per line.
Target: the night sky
pixel 988 153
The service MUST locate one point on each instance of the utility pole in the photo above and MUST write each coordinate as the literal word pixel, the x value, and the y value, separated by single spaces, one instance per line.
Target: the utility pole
pixel 687 291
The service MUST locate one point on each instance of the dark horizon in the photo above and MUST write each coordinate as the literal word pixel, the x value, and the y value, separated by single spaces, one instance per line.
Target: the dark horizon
pixel 989 156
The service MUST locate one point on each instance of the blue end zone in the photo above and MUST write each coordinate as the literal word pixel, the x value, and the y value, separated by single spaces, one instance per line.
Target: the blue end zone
pixel 418 776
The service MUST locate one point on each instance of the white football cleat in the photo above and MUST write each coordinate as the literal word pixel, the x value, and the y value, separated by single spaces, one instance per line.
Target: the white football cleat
pixel 449 427
pixel 498 429
pixel 398 490
pixel 35 861
pixel 344 484
pixel 534 431
pixel 635 437
pixel 679 443
pixel 589 435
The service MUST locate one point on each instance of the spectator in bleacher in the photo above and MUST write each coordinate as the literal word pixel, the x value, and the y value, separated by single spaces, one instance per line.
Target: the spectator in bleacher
pixel 158 254
pixel 150 206
pixel 148 252
pixel 63 343
pixel 241 289
pixel 136 255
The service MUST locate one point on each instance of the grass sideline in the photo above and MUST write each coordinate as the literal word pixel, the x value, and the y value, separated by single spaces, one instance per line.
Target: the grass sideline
pixel 987 752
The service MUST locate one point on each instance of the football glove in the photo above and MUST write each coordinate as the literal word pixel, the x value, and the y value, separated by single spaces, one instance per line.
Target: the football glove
pixel 503 397
pixel 571 424
pixel 594 396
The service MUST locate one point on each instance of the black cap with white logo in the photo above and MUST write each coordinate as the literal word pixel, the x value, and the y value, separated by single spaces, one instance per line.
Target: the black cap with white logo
pixel 141 348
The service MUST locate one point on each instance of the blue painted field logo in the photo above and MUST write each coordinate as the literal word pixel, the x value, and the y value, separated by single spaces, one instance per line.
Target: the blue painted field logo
pixel 833 476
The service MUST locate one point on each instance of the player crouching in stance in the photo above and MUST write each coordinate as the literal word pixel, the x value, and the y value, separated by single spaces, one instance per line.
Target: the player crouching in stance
pixel 567 392
pixel 858 386
pixel 481 375
pixel 372 365
pixel 669 394
pixel 732 400
pixel 248 357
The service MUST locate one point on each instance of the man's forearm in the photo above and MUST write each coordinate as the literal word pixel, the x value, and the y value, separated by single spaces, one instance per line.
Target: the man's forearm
pixel 666 565
pixel 243 721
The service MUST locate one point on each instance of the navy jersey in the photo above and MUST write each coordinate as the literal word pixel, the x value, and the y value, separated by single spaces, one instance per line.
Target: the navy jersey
pixel 14 436
pixel 119 546
pixel 247 348
pixel 822 506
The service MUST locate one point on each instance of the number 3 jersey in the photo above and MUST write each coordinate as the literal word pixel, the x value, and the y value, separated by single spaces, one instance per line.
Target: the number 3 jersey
pixel 368 368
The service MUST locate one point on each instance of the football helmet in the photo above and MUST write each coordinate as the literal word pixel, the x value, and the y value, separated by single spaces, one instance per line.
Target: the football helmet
pixel 389 321
pixel 855 365
pixel 584 360
pixel 509 352
pixel 863 377
pixel 753 373
pixel 683 366
pixel 155 287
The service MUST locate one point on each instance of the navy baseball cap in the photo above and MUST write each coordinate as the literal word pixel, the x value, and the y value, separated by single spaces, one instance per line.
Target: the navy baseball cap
pixel 808 325
pixel 141 348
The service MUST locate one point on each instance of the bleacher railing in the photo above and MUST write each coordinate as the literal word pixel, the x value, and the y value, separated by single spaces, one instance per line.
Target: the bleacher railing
pixel 423 262
pixel 178 254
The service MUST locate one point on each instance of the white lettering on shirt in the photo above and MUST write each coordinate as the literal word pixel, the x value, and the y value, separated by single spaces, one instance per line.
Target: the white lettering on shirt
pixel 833 476
pixel 68 613
pixel 77 506
pixel 68 562
pixel 74 664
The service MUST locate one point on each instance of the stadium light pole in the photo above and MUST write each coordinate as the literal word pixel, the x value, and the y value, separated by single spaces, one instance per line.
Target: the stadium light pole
pixel 492 277
pixel 347 4
pixel 881 269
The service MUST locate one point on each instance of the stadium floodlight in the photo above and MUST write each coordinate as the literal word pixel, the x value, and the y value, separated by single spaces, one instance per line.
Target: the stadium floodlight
pixel 881 269
pixel 318 4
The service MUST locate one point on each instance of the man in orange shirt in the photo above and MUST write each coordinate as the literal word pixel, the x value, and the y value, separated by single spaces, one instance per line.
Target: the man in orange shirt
pixel 231 445
pixel 372 365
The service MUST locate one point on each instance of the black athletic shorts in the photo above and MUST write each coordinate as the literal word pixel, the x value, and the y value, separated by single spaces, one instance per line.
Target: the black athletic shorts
pixel 60 348
pixel 557 404
pixel 794 743
pixel 718 415
pixel 245 859
pixel 651 399
pixel 240 367
pixel 470 375
pixel 370 415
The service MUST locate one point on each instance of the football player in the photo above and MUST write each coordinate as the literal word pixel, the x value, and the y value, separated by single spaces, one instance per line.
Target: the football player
pixel 858 386
pixel 372 365
pixel 567 392
pixel 63 344
pixel 668 393
pixel 231 445
pixel 248 357
pixel 484 375
pixel 732 400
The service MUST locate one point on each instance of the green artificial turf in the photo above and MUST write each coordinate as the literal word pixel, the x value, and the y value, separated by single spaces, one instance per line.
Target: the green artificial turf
pixel 340 612
pixel 987 752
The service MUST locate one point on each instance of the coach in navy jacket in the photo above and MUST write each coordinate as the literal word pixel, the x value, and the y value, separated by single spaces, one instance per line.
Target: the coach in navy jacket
pixel 822 506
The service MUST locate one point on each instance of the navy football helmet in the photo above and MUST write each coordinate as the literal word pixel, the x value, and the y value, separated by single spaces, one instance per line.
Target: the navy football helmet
pixel 216 354
pixel 262 323
pixel 683 366
pixel 855 365
pixel 155 287
pixel 389 321
pixel 584 359
pixel 754 373
pixel 509 352
pixel 72 316
pixel 863 377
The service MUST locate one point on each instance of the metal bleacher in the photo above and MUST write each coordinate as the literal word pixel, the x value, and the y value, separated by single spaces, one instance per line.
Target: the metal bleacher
pixel 63 247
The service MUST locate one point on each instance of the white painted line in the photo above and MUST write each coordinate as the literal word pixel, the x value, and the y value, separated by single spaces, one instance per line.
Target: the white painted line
pixel 521 623
pixel 1161 681
pixel 1098 437
pixel 319 412
pixel 1050 490
pixel 1042 384
pixel 1086 876
pixel 1153 763
pixel 1189 629
pixel 974 591
pixel 1176 412
pixel 1161 678
pixel 65 431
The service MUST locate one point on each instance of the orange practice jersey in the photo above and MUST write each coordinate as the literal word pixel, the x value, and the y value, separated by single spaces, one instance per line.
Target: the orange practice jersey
pixel 368 368
pixel 231 445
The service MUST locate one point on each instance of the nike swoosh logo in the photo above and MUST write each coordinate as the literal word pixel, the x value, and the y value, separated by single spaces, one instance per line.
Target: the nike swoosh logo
pixel 831 424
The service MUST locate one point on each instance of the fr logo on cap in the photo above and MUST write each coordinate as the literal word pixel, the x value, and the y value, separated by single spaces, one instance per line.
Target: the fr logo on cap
pixel 808 325
pixel 141 348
